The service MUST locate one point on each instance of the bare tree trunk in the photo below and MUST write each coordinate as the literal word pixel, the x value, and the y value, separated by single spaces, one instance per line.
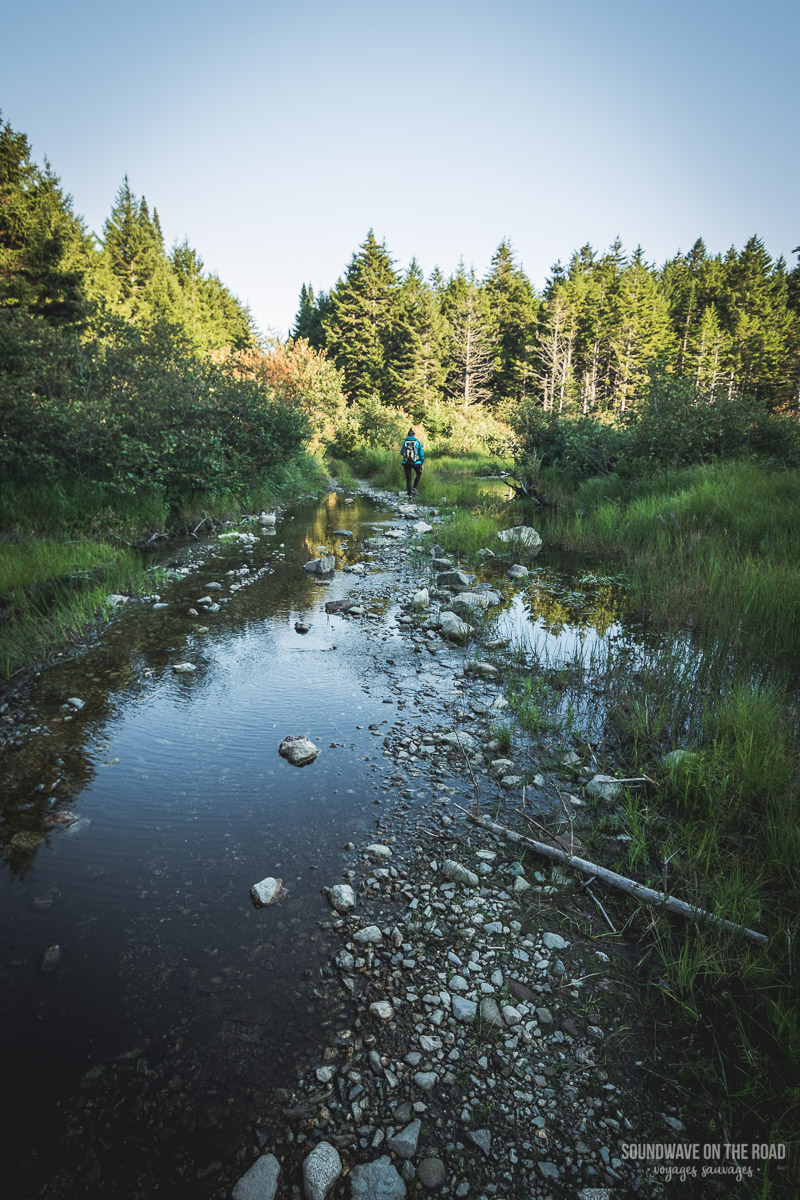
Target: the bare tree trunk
pixel 637 890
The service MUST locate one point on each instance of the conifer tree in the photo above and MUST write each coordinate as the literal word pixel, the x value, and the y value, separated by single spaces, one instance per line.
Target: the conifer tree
pixel 513 314
pixel 44 248
pixel 419 345
pixel 360 326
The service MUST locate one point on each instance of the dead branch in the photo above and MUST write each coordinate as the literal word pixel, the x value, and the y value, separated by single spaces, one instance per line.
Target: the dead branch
pixel 637 890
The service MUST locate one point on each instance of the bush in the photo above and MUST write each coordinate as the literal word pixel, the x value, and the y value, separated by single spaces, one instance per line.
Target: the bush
pixel 136 413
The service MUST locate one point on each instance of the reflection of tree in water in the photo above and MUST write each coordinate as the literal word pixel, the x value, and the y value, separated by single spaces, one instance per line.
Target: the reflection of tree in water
pixel 38 782
pixel 596 608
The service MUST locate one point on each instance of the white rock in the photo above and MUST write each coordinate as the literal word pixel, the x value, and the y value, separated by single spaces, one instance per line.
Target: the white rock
pixel 261 1181
pixel 268 891
pixel 421 527
pixel 377 852
pixel 267 518
pixel 115 598
pixel 76 703
pixel 381 1009
pixel 604 786
pixel 522 535
pixel 370 935
pixel 342 897
pixel 460 874
pixel 421 599
pixel 459 738
pixel 321 1169
pixel 453 628
pixel 184 668
pixel 298 750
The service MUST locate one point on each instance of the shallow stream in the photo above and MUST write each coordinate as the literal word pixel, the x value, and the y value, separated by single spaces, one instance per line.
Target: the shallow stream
pixel 172 1009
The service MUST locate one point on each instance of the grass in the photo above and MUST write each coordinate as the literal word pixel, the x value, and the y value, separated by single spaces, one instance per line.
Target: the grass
pixel 712 548
pixel 51 591
pixel 65 549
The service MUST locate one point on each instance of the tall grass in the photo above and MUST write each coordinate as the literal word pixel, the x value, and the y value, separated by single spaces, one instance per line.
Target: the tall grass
pixel 51 591
pixel 712 548
pixel 57 566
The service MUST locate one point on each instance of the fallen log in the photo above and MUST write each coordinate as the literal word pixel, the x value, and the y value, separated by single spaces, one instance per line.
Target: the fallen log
pixel 630 886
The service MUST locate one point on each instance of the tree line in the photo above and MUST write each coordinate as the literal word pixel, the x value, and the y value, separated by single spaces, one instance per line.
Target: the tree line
pixel 126 367
pixel 588 344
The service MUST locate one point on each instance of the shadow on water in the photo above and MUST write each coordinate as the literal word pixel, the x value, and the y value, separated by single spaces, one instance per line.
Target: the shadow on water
pixel 170 1009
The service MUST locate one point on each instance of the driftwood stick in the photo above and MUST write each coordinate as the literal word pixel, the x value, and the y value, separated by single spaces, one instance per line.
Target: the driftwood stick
pixel 637 890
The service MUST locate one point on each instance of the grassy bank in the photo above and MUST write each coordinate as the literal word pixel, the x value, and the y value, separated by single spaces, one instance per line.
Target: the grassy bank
pixel 711 670
pixel 65 549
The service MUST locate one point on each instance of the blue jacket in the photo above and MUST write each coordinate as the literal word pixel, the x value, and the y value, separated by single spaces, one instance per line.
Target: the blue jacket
pixel 420 451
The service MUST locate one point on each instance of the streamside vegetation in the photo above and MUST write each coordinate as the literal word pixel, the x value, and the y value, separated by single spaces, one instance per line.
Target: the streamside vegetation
pixel 136 397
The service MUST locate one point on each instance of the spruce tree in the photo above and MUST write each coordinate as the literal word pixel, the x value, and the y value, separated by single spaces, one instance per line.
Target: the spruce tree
pixel 44 248
pixel 513 311
pixel 360 326
pixel 417 360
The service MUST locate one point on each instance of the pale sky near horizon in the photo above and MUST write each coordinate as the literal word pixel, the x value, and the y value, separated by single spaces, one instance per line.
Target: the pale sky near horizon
pixel 274 136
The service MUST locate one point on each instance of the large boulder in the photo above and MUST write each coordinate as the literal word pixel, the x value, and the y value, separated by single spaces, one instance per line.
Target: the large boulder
pixel 298 750
pixel 524 536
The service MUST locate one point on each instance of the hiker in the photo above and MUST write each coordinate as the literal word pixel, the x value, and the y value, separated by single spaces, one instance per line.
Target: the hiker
pixel 413 458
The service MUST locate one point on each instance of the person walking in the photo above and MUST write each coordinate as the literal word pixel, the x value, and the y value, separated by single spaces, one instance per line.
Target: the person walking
pixel 413 458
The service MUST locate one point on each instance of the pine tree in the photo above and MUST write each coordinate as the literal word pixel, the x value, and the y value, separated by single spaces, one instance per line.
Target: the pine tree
pixel 513 312
pixel 44 248
pixel 360 326
pixel 309 324
pixel 419 346
pixel 130 243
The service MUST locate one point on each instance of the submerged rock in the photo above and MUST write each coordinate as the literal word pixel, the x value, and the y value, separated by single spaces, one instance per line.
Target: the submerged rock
pixel 52 959
pixel 184 668
pixel 298 750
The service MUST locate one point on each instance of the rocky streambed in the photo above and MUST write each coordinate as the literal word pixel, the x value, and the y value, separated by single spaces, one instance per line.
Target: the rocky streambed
pixel 422 1014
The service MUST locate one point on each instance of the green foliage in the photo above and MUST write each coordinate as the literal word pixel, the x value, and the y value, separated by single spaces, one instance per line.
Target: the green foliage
pixel 134 412
pixel 44 249
pixel 359 327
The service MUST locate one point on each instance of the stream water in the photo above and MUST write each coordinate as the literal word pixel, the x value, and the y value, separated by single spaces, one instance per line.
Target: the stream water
pixel 151 1045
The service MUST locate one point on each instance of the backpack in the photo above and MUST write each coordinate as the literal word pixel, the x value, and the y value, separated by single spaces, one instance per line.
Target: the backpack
pixel 409 451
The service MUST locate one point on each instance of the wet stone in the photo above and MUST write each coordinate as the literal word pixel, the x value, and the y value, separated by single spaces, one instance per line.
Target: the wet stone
pixel 261 1181
pixel 377 1180
pixel 431 1172
pixel 321 1169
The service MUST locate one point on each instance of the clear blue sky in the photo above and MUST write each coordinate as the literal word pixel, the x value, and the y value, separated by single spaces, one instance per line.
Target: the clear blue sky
pixel 274 136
